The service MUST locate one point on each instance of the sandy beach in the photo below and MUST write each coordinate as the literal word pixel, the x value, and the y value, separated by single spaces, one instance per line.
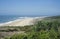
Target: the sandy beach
pixel 22 22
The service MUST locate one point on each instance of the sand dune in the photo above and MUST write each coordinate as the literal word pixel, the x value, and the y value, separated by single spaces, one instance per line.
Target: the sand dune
pixel 21 22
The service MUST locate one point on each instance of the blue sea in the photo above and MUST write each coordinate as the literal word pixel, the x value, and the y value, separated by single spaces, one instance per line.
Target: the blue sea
pixel 6 18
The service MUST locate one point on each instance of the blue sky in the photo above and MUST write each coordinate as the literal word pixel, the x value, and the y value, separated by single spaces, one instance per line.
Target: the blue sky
pixel 30 7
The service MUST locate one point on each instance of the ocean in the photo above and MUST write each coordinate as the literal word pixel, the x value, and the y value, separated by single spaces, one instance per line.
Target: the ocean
pixel 7 18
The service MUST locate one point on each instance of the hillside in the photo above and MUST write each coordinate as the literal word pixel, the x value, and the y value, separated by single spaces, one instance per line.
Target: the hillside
pixel 47 28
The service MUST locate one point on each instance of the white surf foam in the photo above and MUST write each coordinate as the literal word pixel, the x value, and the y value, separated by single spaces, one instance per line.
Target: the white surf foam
pixel 21 21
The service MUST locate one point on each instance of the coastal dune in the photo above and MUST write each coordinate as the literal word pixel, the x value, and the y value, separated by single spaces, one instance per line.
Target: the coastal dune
pixel 22 22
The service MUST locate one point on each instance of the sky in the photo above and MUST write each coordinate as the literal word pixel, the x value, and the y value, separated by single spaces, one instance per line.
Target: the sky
pixel 30 7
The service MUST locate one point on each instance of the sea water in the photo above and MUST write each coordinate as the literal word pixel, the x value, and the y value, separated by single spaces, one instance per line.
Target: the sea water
pixel 6 18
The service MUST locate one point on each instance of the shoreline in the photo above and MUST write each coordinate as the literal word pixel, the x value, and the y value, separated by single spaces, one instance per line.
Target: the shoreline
pixel 22 21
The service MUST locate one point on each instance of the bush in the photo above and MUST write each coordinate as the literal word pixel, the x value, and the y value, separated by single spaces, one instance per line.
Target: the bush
pixel 41 30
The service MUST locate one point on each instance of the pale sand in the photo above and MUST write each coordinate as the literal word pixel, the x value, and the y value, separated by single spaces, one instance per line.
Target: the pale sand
pixel 21 22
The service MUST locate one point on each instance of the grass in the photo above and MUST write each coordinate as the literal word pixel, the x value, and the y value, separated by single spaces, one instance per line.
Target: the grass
pixel 49 28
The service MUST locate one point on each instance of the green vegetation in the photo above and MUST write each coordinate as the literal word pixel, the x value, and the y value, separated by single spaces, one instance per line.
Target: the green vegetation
pixel 45 29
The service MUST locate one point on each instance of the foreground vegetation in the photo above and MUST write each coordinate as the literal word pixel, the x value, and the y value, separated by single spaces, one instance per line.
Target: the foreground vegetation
pixel 45 29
